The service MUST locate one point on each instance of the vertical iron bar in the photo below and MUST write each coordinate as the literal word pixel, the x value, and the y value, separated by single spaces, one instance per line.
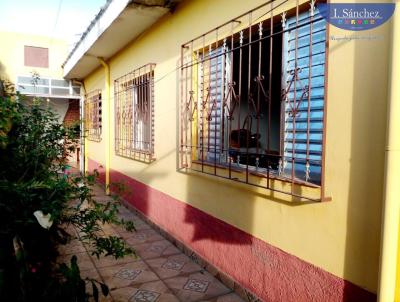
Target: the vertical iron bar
pixel 222 104
pixel 201 116
pixel 309 93
pixel 117 116
pixel 190 141
pixel 258 113
pixel 270 94
pixel 240 80
pixel 230 105
pixel 294 95
pixel 248 98
pixel 186 100
pixel 207 102
pixel 182 116
pixel 215 113
pixel 323 198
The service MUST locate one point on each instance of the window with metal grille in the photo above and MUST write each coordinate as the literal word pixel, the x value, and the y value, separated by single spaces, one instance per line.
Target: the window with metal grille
pixel 253 99
pixel 134 114
pixel 93 110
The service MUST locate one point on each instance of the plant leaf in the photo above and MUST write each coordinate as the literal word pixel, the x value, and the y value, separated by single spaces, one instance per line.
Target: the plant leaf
pixel 104 289
pixel 95 292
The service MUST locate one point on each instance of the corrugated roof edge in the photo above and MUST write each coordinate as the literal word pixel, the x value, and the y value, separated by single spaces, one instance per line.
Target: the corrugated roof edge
pixel 97 17
pixel 171 4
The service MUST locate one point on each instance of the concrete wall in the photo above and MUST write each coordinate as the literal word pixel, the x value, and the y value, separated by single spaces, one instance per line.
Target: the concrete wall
pixel 340 237
pixel 12 55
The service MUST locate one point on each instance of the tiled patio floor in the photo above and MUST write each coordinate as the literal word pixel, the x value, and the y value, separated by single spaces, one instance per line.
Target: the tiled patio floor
pixel 160 273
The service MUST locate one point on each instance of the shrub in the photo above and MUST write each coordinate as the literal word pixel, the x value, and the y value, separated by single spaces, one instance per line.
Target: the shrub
pixel 38 201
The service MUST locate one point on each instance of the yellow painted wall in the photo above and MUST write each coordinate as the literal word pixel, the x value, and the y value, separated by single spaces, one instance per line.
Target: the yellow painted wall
pixel 341 236
pixel 97 150
pixel 12 55
pixel 397 286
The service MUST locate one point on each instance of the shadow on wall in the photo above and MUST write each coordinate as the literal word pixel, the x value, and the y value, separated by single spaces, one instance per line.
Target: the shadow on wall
pixel 368 133
pixel 267 271
pixel 257 265
pixel 148 201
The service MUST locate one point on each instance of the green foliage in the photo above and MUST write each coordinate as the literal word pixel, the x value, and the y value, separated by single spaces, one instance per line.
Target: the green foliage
pixel 34 148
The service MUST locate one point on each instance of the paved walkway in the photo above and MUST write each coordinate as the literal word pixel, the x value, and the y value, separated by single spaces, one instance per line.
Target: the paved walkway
pixel 160 273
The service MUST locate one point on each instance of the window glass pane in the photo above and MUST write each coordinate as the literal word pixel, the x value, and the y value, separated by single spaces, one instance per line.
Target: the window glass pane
pixel 60 91
pixel 60 83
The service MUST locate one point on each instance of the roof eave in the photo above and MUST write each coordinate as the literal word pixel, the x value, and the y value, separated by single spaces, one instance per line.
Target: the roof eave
pixel 117 24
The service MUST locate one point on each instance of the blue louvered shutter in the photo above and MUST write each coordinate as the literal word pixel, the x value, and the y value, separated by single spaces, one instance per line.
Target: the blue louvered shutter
pixel 308 170
pixel 212 74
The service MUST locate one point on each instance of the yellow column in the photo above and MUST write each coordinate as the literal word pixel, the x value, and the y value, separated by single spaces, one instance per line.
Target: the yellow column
pixel 107 122
pixel 391 214
pixel 397 285
pixel 86 142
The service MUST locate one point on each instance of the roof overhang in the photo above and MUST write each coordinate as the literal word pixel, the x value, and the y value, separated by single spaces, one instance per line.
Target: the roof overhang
pixel 117 24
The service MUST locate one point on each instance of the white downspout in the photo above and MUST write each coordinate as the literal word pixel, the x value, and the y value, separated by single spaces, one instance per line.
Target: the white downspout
pixel 82 153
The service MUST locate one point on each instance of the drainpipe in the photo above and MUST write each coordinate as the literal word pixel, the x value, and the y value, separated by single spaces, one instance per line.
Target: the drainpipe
pixel 391 212
pixel 107 121
pixel 83 166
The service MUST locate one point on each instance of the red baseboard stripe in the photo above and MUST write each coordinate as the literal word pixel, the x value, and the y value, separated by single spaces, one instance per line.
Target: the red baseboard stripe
pixel 269 272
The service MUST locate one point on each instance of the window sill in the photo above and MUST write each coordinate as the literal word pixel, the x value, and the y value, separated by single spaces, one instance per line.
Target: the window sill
pixel 137 155
pixel 281 188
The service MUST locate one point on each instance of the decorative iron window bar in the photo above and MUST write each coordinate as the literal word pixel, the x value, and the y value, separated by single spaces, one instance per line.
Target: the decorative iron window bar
pixel 134 114
pixel 253 99
pixel 93 110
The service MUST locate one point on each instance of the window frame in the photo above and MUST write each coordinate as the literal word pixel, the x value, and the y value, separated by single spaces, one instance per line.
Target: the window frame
pixel 187 159
pixel 93 111
pixel 134 103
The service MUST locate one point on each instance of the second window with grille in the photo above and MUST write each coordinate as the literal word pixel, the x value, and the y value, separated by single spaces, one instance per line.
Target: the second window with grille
pixel 134 114
pixel 93 112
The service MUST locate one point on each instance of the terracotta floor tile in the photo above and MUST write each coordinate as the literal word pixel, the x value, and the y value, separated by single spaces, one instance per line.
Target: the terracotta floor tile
pixel 84 261
pixel 232 297
pixel 142 236
pixel 91 274
pixel 127 214
pixel 197 286
pixel 72 247
pixel 109 230
pixel 138 279
pixel 172 266
pixel 156 249
pixel 105 261
pixel 138 227
pixel 129 274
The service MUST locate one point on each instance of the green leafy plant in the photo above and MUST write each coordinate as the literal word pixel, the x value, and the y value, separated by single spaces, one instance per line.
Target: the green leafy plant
pixel 38 201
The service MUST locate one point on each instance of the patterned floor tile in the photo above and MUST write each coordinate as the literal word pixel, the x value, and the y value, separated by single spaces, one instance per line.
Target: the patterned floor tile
pixel 149 290
pixel 156 249
pixel 134 280
pixel 144 296
pixel 196 286
pixel 129 274
pixel 172 266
